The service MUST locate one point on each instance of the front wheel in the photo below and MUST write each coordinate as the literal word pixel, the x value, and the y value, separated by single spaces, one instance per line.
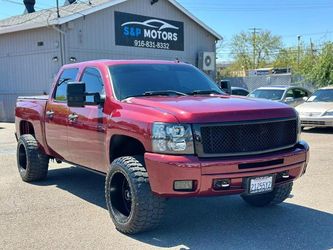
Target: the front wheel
pixel 277 196
pixel 131 204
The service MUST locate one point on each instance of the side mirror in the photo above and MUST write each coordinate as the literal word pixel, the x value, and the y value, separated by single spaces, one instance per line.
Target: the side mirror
pixel 225 86
pixel 98 99
pixel 289 99
pixel 305 98
pixel 76 94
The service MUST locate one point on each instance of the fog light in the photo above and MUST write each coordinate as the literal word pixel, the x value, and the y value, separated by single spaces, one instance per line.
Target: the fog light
pixel 285 175
pixel 183 185
pixel 219 184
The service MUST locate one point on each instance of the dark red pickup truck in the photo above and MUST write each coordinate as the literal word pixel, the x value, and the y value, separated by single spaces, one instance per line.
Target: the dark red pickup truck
pixel 159 129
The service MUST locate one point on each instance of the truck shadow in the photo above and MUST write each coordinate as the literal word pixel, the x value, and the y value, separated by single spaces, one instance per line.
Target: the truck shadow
pixel 318 131
pixel 214 223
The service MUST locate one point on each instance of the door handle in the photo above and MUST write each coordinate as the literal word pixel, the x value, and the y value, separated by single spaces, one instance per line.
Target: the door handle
pixel 50 113
pixel 73 117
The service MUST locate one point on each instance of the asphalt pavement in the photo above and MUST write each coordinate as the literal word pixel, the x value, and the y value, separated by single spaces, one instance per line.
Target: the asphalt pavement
pixel 67 211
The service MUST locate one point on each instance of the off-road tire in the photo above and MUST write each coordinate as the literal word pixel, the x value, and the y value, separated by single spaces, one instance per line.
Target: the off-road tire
pixel 278 195
pixel 145 209
pixel 32 163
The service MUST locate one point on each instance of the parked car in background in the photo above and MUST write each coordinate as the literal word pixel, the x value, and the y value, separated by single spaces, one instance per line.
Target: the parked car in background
pixel 239 91
pixel 290 95
pixel 317 111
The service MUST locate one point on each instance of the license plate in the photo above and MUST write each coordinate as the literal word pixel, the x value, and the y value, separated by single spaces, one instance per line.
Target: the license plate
pixel 262 184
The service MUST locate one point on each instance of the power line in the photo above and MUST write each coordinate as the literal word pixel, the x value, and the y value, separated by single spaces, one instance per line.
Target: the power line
pixel 257 7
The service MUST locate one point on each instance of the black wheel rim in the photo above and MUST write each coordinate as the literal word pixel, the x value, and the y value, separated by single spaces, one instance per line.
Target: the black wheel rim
pixel 127 196
pixel 22 157
pixel 120 195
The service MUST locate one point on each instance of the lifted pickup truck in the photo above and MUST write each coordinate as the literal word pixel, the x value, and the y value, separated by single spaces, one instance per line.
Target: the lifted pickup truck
pixel 157 130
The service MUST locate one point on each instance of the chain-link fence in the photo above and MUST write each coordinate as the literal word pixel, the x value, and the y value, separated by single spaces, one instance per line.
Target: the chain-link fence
pixel 253 82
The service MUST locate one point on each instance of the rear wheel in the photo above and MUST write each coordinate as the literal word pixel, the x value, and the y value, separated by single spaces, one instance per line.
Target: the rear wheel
pixel 278 195
pixel 132 205
pixel 32 163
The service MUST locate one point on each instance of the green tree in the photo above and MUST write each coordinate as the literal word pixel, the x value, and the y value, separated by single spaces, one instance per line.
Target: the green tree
pixel 286 58
pixel 320 68
pixel 254 50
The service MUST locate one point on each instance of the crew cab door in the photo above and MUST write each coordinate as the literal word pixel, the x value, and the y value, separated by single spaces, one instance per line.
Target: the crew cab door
pixel 56 115
pixel 87 128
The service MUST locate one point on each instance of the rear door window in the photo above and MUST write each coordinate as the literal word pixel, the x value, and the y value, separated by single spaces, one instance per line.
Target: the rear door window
pixel 300 93
pixel 66 76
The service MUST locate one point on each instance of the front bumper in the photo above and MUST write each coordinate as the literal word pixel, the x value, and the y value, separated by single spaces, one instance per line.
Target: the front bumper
pixel 163 170
pixel 307 121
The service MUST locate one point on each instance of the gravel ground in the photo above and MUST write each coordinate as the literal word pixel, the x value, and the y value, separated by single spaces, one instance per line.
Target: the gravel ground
pixel 67 211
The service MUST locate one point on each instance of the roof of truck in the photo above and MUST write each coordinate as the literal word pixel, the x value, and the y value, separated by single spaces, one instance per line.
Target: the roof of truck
pixel 119 62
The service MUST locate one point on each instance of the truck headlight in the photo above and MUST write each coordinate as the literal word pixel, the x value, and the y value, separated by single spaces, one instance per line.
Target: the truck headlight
pixel 172 138
pixel 329 113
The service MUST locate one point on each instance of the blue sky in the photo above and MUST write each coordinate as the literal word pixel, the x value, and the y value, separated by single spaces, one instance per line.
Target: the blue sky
pixel 287 18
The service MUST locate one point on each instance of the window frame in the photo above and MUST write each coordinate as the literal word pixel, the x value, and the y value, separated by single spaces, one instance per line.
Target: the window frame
pixel 56 85
pixel 101 75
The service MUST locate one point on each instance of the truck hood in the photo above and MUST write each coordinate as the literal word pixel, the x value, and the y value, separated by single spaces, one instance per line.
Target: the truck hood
pixel 215 108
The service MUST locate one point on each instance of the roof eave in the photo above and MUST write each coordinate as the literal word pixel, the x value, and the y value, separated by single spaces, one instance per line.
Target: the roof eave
pixel 63 20
pixel 59 21
pixel 99 7
pixel 21 27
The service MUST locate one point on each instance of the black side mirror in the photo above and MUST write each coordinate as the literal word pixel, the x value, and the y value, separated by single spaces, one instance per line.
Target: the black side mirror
pixel 76 94
pixel 97 100
pixel 225 86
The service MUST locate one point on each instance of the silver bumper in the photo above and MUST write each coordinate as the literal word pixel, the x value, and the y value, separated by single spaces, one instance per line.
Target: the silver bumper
pixel 316 121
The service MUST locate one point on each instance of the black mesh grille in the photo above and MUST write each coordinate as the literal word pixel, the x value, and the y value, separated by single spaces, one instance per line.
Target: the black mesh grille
pixel 249 137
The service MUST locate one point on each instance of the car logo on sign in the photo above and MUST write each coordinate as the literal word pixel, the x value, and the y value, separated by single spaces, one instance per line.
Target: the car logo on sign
pixel 149 23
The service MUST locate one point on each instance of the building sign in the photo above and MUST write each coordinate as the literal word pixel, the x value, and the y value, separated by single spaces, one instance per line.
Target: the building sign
pixel 148 32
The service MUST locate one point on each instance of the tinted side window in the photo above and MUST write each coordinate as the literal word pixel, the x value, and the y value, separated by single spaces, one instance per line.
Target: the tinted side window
pixel 299 93
pixel 94 83
pixel 244 93
pixel 66 76
pixel 290 93
pixel 236 92
pixel 240 92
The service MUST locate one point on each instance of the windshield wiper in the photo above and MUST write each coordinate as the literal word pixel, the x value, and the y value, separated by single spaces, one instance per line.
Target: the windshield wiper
pixel 157 93
pixel 205 92
pixel 163 92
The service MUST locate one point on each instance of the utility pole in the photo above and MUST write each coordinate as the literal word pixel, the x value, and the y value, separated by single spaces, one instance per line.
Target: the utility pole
pixel 254 32
pixel 312 48
pixel 298 50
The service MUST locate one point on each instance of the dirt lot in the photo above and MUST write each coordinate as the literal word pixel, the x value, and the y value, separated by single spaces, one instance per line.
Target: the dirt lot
pixel 67 211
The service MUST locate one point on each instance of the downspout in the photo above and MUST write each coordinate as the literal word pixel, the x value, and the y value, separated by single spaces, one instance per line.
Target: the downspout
pixel 62 35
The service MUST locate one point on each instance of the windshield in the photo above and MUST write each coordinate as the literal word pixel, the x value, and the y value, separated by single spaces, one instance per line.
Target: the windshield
pixel 271 94
pixel 139 79
pixel 322 95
